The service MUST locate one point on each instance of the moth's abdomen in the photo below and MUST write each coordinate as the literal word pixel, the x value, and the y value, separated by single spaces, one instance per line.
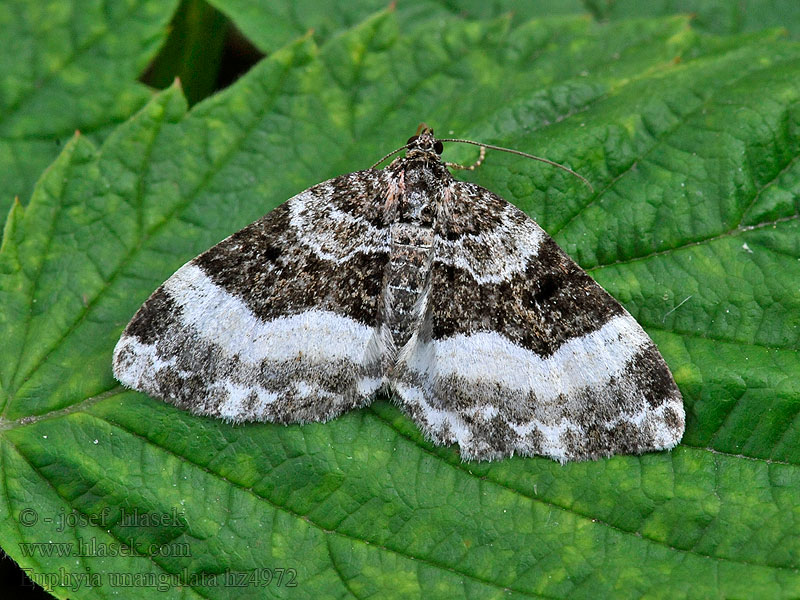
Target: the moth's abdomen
pixel 406 282
pixel 411 213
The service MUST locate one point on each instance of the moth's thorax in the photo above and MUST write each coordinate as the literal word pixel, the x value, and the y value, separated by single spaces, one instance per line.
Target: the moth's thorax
pixel 412 210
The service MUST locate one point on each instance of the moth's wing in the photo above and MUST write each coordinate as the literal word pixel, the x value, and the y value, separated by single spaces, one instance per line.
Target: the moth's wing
pixel 523 353
pixel 276 322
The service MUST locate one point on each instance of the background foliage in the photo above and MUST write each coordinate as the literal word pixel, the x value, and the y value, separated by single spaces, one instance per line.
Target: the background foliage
pixel 688 130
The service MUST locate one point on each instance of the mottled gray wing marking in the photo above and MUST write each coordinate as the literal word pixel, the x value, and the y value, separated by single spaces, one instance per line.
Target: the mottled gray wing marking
pixel 524 353
pixel 266 325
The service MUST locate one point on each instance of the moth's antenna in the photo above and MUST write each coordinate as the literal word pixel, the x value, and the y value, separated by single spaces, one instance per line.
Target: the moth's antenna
pixel 471 167
pixel 519 153
pixel 392 153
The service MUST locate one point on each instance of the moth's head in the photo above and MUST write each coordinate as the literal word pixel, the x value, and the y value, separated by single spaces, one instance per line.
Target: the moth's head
pixel 424 142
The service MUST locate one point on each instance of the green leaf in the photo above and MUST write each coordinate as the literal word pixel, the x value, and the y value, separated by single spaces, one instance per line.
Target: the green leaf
pixel 68 65
pixel 692 145
pixel 271 23
pixel 714 16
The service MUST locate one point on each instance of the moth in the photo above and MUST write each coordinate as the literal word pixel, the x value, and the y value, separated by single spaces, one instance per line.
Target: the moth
pixel 408 282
